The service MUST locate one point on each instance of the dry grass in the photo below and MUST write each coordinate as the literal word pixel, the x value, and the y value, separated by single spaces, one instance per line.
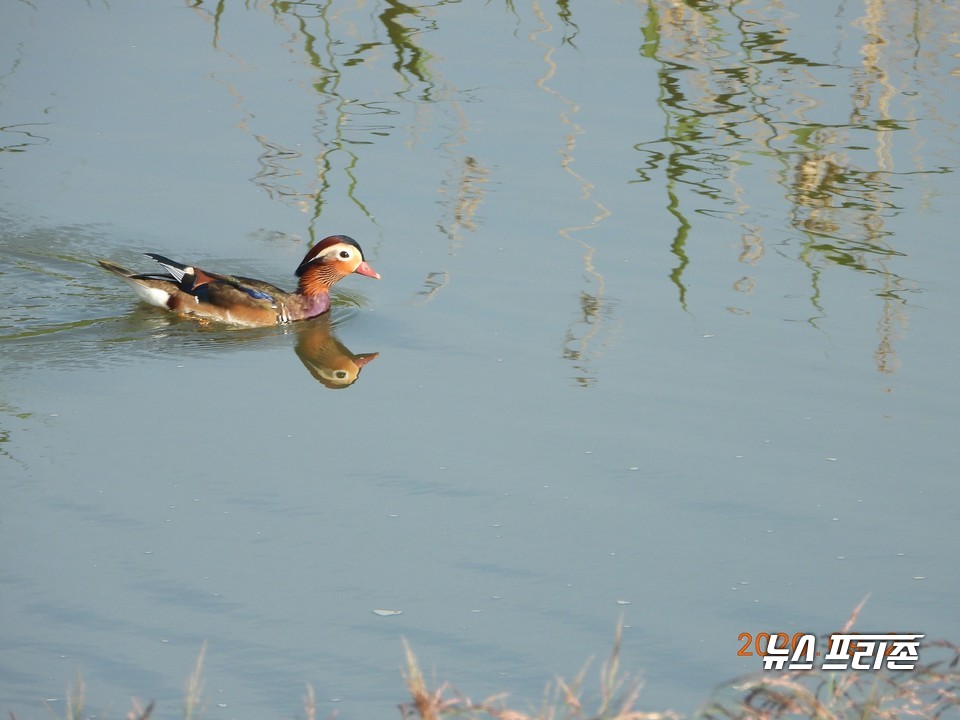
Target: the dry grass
pixel 76 699
pixel 930 690
pixel 194 688
pixel 562 699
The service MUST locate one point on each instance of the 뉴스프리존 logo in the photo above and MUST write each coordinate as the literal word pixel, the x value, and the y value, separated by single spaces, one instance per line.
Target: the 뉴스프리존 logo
pixel 846 651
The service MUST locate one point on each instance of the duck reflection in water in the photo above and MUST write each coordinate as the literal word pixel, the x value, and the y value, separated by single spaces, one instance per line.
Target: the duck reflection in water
pixel 325 357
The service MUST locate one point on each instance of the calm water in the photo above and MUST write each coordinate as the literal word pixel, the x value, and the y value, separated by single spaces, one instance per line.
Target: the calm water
pixel 667 331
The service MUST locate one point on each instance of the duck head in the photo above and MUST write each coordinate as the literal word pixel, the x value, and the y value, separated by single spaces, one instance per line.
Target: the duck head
pixel 329 261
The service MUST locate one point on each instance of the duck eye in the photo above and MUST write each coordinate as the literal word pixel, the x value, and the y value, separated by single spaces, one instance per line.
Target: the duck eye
pixel 344 254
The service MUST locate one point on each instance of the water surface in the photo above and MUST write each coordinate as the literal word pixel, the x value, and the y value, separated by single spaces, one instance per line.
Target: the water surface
pixel 666 333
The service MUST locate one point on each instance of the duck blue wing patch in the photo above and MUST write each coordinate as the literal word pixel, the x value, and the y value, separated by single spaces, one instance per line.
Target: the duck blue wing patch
pixel 257 294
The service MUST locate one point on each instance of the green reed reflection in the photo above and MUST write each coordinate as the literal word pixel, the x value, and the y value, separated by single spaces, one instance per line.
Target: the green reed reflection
pixel 760 128
pixel 348 121
pixel 593 305
pixel 344 120
pixel 741 105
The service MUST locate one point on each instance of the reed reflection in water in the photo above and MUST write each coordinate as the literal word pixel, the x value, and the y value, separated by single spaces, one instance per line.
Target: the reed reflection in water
pixel 745 103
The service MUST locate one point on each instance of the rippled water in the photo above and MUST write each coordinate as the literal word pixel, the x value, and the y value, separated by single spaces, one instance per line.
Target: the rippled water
pixel 666 333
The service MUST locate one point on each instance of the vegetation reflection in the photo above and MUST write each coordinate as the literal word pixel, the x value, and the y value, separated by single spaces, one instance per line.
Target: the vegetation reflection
pixel 592 302
pixel 744 112
pixel 734 97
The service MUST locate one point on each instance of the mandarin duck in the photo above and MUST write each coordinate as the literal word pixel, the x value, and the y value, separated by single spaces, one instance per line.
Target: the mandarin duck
pixel 188 290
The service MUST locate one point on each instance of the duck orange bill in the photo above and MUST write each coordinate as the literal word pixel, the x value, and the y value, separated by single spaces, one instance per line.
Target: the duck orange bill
pixel 365 269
